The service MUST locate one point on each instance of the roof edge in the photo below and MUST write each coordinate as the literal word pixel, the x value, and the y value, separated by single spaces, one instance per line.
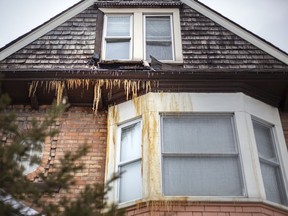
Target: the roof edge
pixel 41 30
pixel 238 30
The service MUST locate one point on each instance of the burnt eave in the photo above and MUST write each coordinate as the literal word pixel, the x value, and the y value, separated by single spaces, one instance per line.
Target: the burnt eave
pixel 269 86
pixel 257 75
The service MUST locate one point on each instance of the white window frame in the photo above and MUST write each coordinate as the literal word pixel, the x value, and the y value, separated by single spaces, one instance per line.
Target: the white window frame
pixel 172 33
pixel 244 108
pixel 138 36
pixel 275 146
pixel 199 154
pixel 105 37
pixel 118 160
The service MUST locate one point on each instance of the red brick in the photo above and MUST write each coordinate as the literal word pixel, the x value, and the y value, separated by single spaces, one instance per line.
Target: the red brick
pixel 227 209
pixel 240 214
pixel 209 213
pixel 195 208
pixel 184 214
pixel 251 209
pixel 279 214
pixel 223 214
pixel 212 208
pixel 267 211
pixel 197 213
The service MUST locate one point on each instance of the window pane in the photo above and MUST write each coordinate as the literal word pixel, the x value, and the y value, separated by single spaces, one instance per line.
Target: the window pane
pixel 159 50
pixel 158 37
pixel 118 25
pixel 131 142
pixel 264 141
pixel 271 178
pixel 271 174
pixel 118 49
pixel 130 182
pixel 37 151
pixel 198 134
pixel 202 176
pixel 158 27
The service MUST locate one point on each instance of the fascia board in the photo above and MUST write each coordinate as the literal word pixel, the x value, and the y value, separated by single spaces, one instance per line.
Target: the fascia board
pixel 238 30
pixel 34 35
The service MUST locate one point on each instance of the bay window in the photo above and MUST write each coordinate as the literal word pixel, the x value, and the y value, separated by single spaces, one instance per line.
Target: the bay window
pixel 197 147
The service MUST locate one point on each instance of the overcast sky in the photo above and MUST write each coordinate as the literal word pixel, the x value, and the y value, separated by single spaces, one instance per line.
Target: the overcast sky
pixel 266 18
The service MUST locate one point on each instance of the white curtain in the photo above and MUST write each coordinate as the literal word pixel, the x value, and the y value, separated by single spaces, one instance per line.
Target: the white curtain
pixel 200 156
pixel 130 187
pixel 158 37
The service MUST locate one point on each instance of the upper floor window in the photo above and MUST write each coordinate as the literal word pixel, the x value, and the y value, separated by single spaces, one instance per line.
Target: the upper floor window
pixel 158 37
pixel 117 36
pixel 135 34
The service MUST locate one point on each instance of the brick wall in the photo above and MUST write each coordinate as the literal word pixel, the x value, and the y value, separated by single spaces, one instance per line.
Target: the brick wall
pixel 204 209
pixel 77 126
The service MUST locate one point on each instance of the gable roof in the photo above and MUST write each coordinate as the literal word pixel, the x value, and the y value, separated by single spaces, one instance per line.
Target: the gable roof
pixel 41 30
pixel 238 30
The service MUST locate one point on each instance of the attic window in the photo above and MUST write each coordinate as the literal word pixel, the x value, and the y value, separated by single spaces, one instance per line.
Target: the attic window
pixel 117 43
pixel 135 34
pixel 158 37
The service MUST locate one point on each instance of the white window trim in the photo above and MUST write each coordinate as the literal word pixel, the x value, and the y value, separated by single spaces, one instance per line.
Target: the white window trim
pixel 118 156
pixel 244 108
pixel 277 152
pixel 104 41
pixel 138 36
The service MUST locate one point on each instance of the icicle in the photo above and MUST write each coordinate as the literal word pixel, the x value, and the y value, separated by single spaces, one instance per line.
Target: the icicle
pixel 32 88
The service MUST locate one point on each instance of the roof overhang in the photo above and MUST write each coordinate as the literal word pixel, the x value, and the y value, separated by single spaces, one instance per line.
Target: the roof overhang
pixel 269 86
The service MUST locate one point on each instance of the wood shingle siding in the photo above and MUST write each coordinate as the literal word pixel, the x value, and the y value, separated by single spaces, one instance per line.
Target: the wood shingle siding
pixel 70 45
pixel 209 45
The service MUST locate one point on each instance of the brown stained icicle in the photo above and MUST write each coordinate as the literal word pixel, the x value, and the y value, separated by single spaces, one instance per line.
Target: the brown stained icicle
pixel 32 88
pixel 131 87
pixel 97 94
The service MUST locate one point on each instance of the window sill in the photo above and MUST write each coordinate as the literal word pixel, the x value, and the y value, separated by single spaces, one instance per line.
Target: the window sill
pixel 198 200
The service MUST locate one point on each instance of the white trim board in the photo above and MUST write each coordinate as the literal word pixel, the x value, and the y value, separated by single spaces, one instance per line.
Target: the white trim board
pixel 237 30
pixel 34 35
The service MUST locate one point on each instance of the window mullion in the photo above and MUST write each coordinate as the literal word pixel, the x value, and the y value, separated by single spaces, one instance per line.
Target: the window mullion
pixel 200 154
pixel 129 161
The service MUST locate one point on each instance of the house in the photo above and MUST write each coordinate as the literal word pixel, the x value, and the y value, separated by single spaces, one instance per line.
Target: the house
pixel 190 105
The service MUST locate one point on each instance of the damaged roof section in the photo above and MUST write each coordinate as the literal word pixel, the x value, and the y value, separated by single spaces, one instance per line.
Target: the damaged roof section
pixel 138 3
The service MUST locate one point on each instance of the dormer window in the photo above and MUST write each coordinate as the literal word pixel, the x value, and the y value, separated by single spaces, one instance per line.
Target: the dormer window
pixel 158 37
pixel 117 40
pixel 135 34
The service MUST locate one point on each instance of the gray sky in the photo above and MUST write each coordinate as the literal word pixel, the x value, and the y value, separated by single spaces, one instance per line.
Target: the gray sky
pixel 266 18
